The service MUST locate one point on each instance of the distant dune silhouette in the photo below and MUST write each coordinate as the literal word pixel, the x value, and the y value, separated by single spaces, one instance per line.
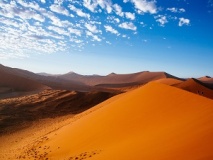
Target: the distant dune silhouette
pixel 11 82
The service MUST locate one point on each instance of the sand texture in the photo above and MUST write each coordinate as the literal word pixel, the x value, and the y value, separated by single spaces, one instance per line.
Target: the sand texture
pixel 155 121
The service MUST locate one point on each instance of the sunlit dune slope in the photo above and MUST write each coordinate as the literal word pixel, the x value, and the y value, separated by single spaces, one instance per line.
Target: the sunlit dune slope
pixel 169 81
pixel 154 122
pixel 196 87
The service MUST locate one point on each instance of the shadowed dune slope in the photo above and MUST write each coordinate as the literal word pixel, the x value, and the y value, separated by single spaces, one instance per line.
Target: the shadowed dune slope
pixel 17 83
pixel 17 113
pixel 208 81
pixel 50 81
pixel 153 122
pixel 195 86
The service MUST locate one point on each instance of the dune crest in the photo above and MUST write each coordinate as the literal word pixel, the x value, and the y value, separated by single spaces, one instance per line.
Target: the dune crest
pixel 169 81
pixel 195 86
pixel 155 121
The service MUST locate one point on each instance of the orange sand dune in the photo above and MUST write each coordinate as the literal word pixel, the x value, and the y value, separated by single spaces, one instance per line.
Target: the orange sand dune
pixel 154 122
pixel 169 81
pixel 196 87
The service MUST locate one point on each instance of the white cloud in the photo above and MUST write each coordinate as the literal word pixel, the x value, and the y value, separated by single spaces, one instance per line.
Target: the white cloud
pixel 11 10
pixel 74 31
pixel 108 42
pixel 105 4
pixel 39 17
pixel 117 20
pixel 32 26
pixel 110 29
pixel 9 22
pixel 92 28
pixel 58 30
pixel 144 6
pixel 176 10
pixel 162 20
pixel 95 37
pixel 32 5
pixel 18 43
pixel 55 20
pixel 142 24
pixel 58 2
pixel 93 4
pixel 128 25
pixel 183 21
pixel 37 24
pixel 182 10
pixel 130 15
pixel 113 19
pixel 90 5
pixel 118 10
pixel 79 12
pixel 59 9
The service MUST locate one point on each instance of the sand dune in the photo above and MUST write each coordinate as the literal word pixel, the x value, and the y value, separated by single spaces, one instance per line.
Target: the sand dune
pixel 208 81
pixel 169 81
pixel 17 83
pixel 18 113
pixel 195 86
pixel 156 121
pixel 73 81
pixel 114 80
pixel 50 81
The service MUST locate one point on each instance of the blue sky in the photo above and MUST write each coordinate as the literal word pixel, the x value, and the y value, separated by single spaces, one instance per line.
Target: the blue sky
pixel 99 37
